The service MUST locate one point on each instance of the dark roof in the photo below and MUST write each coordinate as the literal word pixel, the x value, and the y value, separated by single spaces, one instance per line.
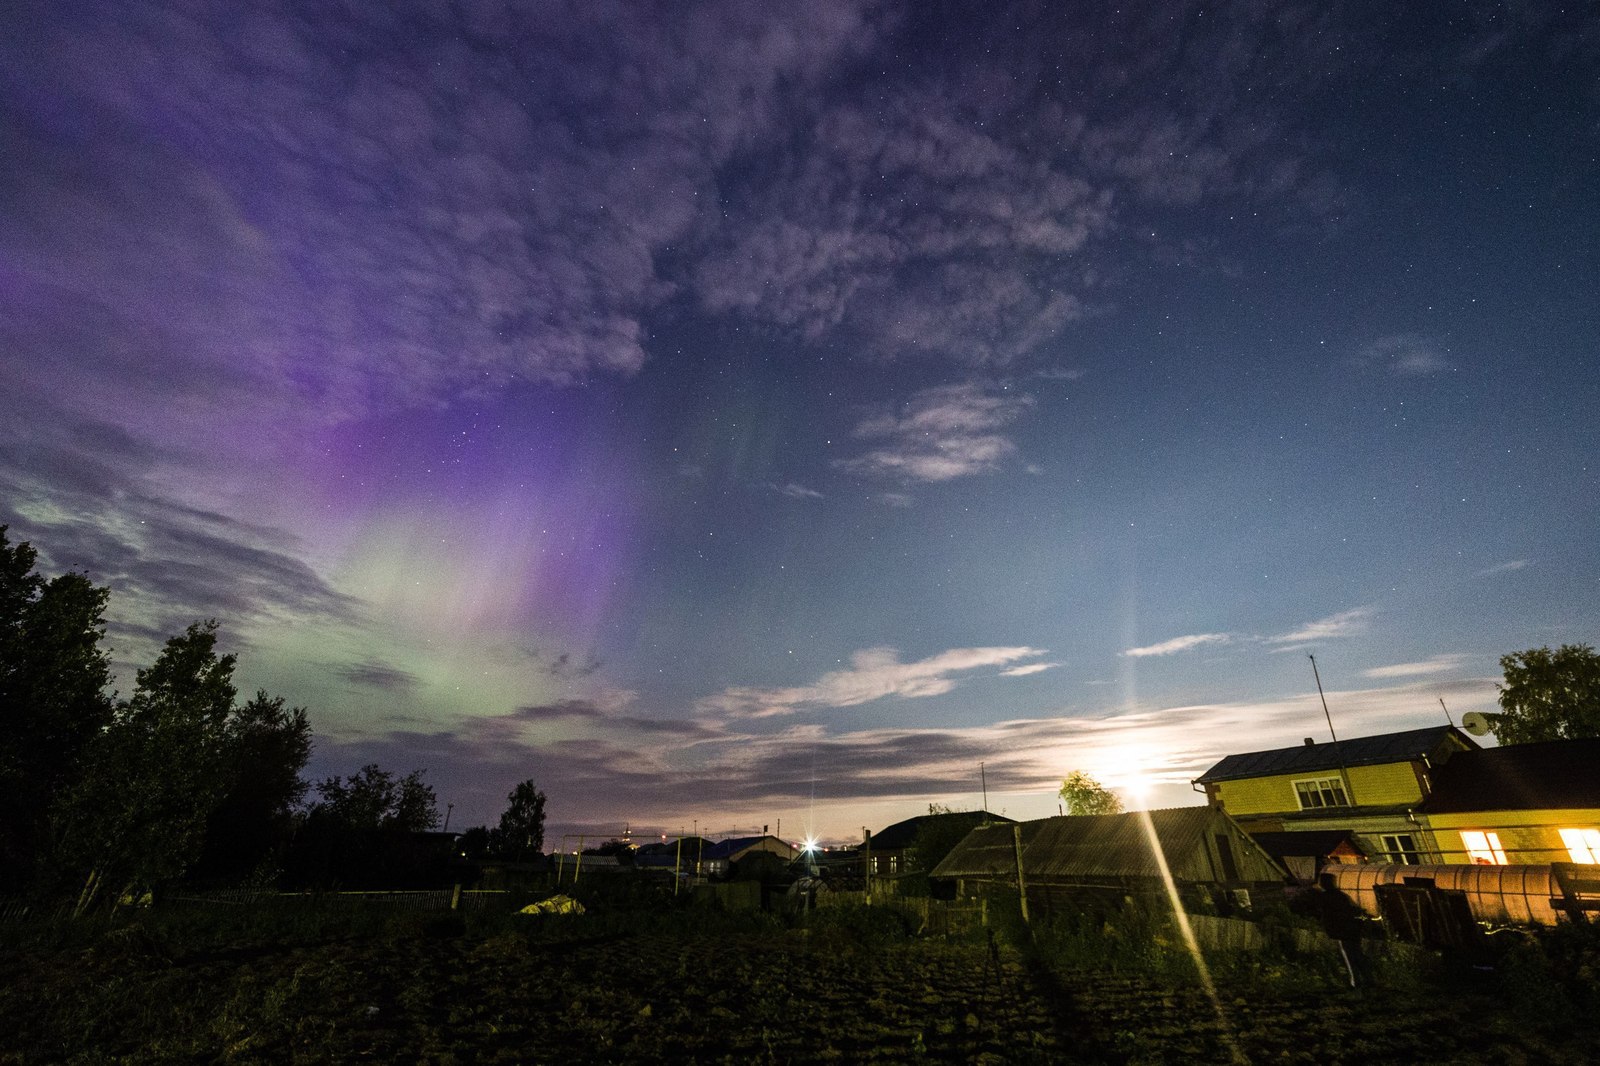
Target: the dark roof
pixel 1085 846
pixel 901 834
pixel 1359 751
pixel 1555 775
pixel 1317 843
pixel 725 849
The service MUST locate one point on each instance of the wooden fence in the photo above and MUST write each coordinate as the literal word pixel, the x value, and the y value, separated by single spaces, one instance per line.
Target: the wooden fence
pixel 407 900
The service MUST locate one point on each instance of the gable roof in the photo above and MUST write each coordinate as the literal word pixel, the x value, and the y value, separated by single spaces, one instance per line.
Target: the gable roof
pixel 1359 751
pixel 902 834
pixel 1092 845
pixel 1555 775
pixel 727 849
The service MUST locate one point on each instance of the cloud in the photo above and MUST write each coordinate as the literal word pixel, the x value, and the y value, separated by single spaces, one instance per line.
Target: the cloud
pixel 1439 664
pixel 1030 668
pixel 664 771
pixel 1510 566
pixel 873 674
pixel 269 213
pixel 1177 644
pixel 793 490
pixel 941 433
pixel 379 675
pixel 1405 355
pixel 1343 624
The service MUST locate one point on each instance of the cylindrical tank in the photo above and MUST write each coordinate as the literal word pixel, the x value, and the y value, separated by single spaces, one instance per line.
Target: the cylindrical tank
pixel 1511 894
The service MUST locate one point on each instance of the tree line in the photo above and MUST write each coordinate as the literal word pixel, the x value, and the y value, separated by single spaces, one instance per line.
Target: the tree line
pixel 109 798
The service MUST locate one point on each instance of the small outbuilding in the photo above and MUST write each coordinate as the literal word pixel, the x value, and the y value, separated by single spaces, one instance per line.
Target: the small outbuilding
pixel 1125 853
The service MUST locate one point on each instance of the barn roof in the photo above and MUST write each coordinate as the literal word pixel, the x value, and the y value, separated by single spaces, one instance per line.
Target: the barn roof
pixel 1555 775
pixel 1079 846
pixel 1359 751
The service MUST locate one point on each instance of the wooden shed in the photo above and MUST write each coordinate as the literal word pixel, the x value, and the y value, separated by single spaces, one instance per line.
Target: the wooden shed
pixel 1200 845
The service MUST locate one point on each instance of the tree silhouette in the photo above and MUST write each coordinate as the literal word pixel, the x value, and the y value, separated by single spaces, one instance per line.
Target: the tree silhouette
pixel 374 798
pixel 154 775
pixel 521 829
pixel 53 701
pixel 266 745
pixel 1548 695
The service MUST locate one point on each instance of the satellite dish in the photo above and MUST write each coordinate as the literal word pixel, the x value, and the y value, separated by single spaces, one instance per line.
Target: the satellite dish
pixel 1475 723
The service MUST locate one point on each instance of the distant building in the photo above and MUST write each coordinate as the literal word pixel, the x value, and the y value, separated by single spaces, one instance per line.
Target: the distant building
pixel 719 857
pixel 889 849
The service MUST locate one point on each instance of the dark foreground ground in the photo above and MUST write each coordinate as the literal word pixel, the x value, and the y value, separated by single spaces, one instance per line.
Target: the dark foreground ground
pixel 705 988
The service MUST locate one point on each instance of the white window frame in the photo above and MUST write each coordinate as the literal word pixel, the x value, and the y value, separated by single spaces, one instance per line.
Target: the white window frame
pixel 1483 847
pixel 1582 844
pixel 1398 853
pixel 1320 787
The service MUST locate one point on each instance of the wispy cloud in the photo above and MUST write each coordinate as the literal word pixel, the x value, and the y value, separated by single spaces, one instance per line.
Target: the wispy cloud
pixel 873 674
pixel 1029 668
pixel 1177 644
pixel 793 490
pixel 1344 624
pixel 1504 568
pixel 1439 664
pixel 379 675
pixel 944 432
pixel 1406 355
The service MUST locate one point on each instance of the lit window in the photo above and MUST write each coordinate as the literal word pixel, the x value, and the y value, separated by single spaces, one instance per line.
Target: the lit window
pixel 1321 792
pixel 1582 844
pixel 1483 848
pixel 1401 848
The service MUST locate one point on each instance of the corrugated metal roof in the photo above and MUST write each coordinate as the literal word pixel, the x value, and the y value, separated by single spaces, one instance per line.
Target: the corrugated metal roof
pixel 1360 751
pixel 1100 846
pixel 987 851
pixel 1115 845
pixel 1556 775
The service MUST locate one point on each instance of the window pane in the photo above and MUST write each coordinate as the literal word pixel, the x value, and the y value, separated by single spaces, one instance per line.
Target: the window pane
pixel 1483 848
pixel 1583 845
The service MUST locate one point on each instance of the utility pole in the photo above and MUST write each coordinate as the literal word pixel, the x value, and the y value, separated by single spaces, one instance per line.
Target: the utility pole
pixel 1022 881
pixel 448 807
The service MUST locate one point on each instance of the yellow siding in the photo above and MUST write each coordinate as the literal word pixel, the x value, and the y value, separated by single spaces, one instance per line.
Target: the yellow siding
pixel 1387 784
pixel 1525 836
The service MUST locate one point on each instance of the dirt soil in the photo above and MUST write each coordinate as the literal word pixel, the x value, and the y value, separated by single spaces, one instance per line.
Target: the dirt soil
pixel 780 996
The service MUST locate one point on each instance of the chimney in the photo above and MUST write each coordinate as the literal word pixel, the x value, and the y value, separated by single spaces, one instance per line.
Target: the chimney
pixel 1310 743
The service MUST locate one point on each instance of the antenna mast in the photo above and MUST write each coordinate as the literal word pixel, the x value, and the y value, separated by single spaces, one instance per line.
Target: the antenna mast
pixel 1446 710
pixel 984 777
pixel 1349 790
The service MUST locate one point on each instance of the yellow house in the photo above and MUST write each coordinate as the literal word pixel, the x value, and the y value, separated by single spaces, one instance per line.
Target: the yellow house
pixel 1518 805
pixel 1371 787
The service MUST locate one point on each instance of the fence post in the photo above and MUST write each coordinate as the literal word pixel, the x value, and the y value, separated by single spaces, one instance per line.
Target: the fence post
pixel 455 898
pixel 1022 882
pixel 866 848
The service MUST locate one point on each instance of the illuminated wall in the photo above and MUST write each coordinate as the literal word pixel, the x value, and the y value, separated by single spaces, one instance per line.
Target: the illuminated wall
pixel 1523 837
pixel 1381 785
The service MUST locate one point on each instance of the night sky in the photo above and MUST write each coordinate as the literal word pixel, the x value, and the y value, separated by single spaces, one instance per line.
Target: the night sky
pixel 734 412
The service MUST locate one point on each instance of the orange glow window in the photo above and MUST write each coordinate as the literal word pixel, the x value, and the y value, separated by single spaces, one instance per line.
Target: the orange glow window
pixel 1483 848
pixel 1582 844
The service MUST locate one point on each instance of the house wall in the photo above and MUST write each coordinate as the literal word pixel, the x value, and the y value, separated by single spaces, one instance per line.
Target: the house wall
pixel 1369 829
pixel 1525 836
pixel 1383 785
